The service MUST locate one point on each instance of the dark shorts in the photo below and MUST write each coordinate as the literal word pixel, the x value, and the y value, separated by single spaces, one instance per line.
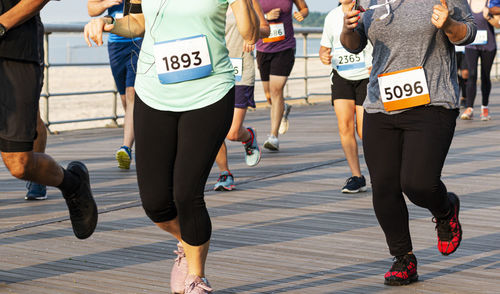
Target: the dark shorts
pixel 244 97
pixel 123 60
pixel 276 64
pixel 347 89
pixel 19 97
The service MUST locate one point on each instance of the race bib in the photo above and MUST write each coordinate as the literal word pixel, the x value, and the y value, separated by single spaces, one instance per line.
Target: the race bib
pixel 343 60
pixel 404 89
pixel 238 68
pixel 277 33
pixel 182 59
pixel 481 38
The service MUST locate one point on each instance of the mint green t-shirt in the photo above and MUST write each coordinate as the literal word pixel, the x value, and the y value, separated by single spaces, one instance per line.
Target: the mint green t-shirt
pixel 169 20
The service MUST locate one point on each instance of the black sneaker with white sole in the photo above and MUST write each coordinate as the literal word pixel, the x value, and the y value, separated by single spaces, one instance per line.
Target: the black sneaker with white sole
pixel 81 204
pixel 354 185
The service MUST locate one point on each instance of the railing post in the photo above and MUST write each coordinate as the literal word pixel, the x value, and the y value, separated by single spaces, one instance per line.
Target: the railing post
pixel 306 58
pixel 46 78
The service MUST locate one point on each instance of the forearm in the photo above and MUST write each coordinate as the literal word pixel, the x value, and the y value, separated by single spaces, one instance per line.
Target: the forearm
pixel 20 13
pixel 95 7
pixel 304 12
pixel 130 26
pixel 246 20
pixel 495 10
pixel 455 31
pixel 350 39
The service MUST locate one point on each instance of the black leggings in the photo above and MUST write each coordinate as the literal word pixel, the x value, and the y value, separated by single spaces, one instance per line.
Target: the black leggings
pixel 487 58
pixel 405 153
pixel 175 152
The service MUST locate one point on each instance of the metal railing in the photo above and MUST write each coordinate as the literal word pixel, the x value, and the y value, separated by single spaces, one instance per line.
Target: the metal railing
pixel 78 28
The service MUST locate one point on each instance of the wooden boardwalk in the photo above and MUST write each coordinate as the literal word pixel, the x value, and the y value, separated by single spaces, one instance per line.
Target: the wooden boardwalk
pixel 286 229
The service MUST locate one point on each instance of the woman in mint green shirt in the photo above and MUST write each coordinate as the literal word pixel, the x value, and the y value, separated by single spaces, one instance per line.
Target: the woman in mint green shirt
pixel 183 111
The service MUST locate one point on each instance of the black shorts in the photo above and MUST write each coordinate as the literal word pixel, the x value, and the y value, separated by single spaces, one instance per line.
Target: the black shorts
pixel 347 89
pixel 19 97
pixel 276 64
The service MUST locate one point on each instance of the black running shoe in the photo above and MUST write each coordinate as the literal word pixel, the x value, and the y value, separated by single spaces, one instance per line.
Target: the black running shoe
pixel 81 205
pixel 403 271
pixel 354 185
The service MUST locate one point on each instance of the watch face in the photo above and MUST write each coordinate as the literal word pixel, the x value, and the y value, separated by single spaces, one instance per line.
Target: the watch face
pixel 2 30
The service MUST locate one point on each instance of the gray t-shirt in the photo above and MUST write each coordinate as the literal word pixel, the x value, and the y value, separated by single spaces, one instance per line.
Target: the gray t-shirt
pixel 406 39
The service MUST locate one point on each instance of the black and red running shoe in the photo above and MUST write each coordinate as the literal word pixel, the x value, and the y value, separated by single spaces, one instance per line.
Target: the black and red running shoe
pixel 403 271
pixel 449 231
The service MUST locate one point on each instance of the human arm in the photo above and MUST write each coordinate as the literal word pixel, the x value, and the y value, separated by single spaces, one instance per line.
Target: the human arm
pixel 21 12
pixel 246 20
pixel 130 26
pixel 325 55
pixel 264 30
pixel 459 31
pixel 303 10
pixel 351 38
pixel 97 7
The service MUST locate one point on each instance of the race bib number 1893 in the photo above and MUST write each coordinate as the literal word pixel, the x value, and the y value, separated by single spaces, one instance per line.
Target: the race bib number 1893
pixel 182 59
pixel 404 89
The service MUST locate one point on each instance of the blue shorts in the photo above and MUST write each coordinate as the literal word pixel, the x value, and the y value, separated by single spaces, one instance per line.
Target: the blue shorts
pixel 123 60
pixel 244 97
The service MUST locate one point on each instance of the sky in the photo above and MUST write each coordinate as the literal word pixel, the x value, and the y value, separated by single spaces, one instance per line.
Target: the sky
pixel 76 11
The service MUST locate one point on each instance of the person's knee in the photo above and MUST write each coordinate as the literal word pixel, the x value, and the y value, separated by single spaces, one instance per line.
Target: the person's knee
pixel 346 128
pixel 18 165
pixel 276 93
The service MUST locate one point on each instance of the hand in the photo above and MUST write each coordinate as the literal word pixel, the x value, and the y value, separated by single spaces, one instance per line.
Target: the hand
pixel 94 29
pixel 326 56
pixel 248 47
pixel 351 17
pixel 273 14
pixel 440 15
pixel 269 100
pixel 486 11
pixel 110 3
pixel 298 16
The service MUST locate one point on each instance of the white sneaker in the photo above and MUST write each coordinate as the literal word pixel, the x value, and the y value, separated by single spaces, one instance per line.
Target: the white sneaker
pixel 272 143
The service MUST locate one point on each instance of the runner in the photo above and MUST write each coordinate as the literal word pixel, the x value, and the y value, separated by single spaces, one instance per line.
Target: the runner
pixel 349 79
pixel 19 97
pixel 123 54
pixel 484 47
pixel 463 74
pixel 276 56
pixel 183 110
pixel 410 115
pixel 38 191
pixel 242 57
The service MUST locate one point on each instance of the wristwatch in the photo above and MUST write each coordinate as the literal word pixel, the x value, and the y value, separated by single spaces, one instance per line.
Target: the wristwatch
pixel 113 20
pixel 3 31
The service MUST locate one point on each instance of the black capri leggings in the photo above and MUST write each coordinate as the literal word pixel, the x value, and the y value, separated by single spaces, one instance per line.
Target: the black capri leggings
pixel 487 58
pixel 175 152
pixel 405 153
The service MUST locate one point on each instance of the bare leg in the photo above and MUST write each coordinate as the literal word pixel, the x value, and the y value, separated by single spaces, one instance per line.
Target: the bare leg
pixel 359 120
pixel 237 133
pixel 128 126
pixel 171 227
pixel 41 139
pixel 276 85
pixel 35 167
pixel 196 258
pixel 345 110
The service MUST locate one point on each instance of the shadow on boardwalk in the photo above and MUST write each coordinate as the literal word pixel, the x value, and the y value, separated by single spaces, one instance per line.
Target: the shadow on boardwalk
pixel 286 229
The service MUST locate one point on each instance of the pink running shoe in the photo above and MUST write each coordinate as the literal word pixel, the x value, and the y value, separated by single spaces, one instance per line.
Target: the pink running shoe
pixel 179 271
pixel 197 285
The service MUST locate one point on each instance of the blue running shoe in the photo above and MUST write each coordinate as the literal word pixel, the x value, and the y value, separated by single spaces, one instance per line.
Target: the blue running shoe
pixel 225 182
pixel 124 157
pixel 36 191
pixel 252 150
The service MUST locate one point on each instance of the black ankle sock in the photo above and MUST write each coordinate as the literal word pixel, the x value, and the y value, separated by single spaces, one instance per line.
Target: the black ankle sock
pixel 70 183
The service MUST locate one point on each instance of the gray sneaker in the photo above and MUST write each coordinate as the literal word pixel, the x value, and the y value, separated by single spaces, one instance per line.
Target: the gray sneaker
pixel 272 143
pixel 252 150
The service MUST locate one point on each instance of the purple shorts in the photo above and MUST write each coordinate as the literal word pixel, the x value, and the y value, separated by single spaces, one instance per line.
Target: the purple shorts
pixel 243 97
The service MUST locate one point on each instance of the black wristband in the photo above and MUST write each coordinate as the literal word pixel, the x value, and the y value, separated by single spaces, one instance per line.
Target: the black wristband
pixel 3 31
pixel 135 8
pixel 113 20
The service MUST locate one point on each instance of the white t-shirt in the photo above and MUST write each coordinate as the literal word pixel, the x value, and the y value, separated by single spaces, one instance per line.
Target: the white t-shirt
pixel 349 66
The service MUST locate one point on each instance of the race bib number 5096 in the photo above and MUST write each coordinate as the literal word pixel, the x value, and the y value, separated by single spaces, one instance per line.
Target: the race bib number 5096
pixel 403 89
